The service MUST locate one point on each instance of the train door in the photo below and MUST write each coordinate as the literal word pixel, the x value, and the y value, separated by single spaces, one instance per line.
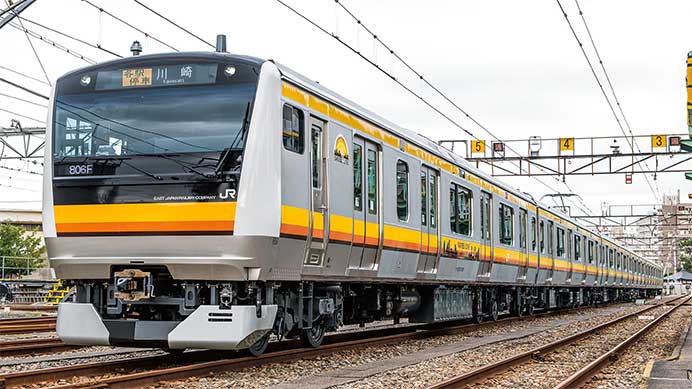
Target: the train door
pixel 523 244
pixel 486 252
pixel 319 215
pixel 372 206
pixel 430 234
pixel 358 203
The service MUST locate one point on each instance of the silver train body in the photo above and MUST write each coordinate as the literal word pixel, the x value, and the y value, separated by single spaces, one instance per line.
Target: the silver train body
pixel 295 213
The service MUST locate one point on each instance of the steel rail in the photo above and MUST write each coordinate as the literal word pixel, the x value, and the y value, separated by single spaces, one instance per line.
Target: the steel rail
pixel 33 346
pixel 492 369
pixel 588 371
pixel 363 338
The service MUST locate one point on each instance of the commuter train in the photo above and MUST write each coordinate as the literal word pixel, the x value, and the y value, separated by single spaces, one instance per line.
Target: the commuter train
pixel 210 200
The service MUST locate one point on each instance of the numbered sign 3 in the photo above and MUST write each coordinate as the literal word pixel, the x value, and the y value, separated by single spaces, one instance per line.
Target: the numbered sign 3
pixel 659 141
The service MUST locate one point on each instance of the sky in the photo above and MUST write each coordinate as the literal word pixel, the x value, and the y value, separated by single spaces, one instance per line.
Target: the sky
pixel 514 66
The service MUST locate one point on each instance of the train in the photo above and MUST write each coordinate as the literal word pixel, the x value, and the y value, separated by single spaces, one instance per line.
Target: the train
pixel 212 200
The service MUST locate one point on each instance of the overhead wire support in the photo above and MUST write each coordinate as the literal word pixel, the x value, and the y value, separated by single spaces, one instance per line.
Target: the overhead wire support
pixel 417 95
pixel 95 46
pixel 175 24
pixel 600 85
pixel 146 34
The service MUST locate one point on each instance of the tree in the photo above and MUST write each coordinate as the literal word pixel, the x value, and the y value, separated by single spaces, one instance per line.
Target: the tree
pixel 686 255
pixel 16 245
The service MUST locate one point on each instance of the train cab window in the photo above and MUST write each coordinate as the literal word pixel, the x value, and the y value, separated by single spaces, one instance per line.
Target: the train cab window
pixel 506 224
pixel 560 242
pixel 589 255
pixel 402 190
pixel 293 129
pixel 432 192
pixel 523 217
pixel 533 233
pixel 460 209
pixel 577 248
pixel 423 199
pixel 357 177
pixel 541 232
pixel 372 182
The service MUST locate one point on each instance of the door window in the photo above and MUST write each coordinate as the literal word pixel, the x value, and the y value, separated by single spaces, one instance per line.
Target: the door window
pixel 423 198
pixel 402 191
pixel 432 191
pixel 316 157
pixel 372 182
pixel 357 177
pixel 522 228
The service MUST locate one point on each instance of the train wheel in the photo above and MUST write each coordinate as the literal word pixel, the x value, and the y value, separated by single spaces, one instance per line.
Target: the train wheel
pixel 314 336
pixel 259 347
pixel 493 311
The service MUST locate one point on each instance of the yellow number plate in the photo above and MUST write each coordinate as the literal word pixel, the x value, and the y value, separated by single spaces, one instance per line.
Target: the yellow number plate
pixel 566 144
pixel 658 141
pixel 137 77
pixel 477 147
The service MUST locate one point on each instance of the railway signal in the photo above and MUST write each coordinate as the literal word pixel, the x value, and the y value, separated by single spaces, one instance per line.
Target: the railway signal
pixel 628 178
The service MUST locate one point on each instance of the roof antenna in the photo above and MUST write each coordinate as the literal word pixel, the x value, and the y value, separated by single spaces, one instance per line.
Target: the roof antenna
pixel 221 43
pixel 136 48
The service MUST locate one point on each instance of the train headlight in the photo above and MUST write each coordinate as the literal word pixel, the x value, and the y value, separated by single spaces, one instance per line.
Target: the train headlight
pixel 86 80
pixel 229 71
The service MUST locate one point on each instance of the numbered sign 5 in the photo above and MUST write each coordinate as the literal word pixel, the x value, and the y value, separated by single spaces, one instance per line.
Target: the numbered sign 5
pixel 658 141
pixel 477 147
pixel 566 144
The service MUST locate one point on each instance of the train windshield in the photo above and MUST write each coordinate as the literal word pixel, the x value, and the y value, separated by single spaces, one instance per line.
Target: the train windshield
pixel 120 118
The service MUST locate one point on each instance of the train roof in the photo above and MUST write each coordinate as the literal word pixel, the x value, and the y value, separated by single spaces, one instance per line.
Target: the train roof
pixel 326 93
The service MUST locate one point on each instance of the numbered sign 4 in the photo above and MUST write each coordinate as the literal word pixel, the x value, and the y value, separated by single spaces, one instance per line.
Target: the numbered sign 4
pixel 566 144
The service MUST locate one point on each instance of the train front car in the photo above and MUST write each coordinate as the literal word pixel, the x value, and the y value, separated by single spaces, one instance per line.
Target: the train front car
pixel 162 200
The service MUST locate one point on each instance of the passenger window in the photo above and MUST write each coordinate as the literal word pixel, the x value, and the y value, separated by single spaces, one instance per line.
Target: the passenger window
pixel 433 199
pixel 423 199
pixel 372 182
pixel 402 191
pixel 460 209
pixel 533 233
pixel 506 224
pixel 357 177
pixel 293 124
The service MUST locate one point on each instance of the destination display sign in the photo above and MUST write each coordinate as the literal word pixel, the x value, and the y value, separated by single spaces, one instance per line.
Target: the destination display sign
pixel 149 76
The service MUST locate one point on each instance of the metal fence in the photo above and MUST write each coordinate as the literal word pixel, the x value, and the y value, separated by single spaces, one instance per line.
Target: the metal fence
pixel 15 267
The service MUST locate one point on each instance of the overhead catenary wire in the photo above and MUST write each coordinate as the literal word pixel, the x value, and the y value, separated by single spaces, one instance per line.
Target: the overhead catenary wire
pixel 53 43
pixel 175 24
pixel 25 89
pixel 600 86
pixel 409 90
pixel 24 75
pixel 610 84
pixel 146 34
pixel 38 58
pixel 22 116
pixel 23 100
pixel 95 46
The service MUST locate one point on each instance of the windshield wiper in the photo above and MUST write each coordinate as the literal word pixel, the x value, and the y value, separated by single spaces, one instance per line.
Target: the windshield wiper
pixel 152 175
pixel 227 152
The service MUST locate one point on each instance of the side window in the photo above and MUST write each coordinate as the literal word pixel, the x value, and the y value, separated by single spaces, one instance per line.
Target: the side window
pixel 522 228
pixel 541 230
pixel 402 190
pixel 560 242
pixel 577 247
pixel 423 199
pixel 293 129
pixel 357 177
pixel 460 203
pixel 372 182
pixel 533 233
pixel 432 192
pixel 551 246
pixel 506 224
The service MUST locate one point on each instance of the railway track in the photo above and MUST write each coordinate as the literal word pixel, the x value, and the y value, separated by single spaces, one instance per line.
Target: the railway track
pixel 27 325
pixel 33 346
pixel 200 363
pixel 483 373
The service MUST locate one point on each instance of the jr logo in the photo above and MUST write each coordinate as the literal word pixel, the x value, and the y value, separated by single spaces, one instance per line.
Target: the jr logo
pixel 229 193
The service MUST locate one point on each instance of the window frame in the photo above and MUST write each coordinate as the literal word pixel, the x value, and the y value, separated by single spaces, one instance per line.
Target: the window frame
pixel 407 195
pixel 301 129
